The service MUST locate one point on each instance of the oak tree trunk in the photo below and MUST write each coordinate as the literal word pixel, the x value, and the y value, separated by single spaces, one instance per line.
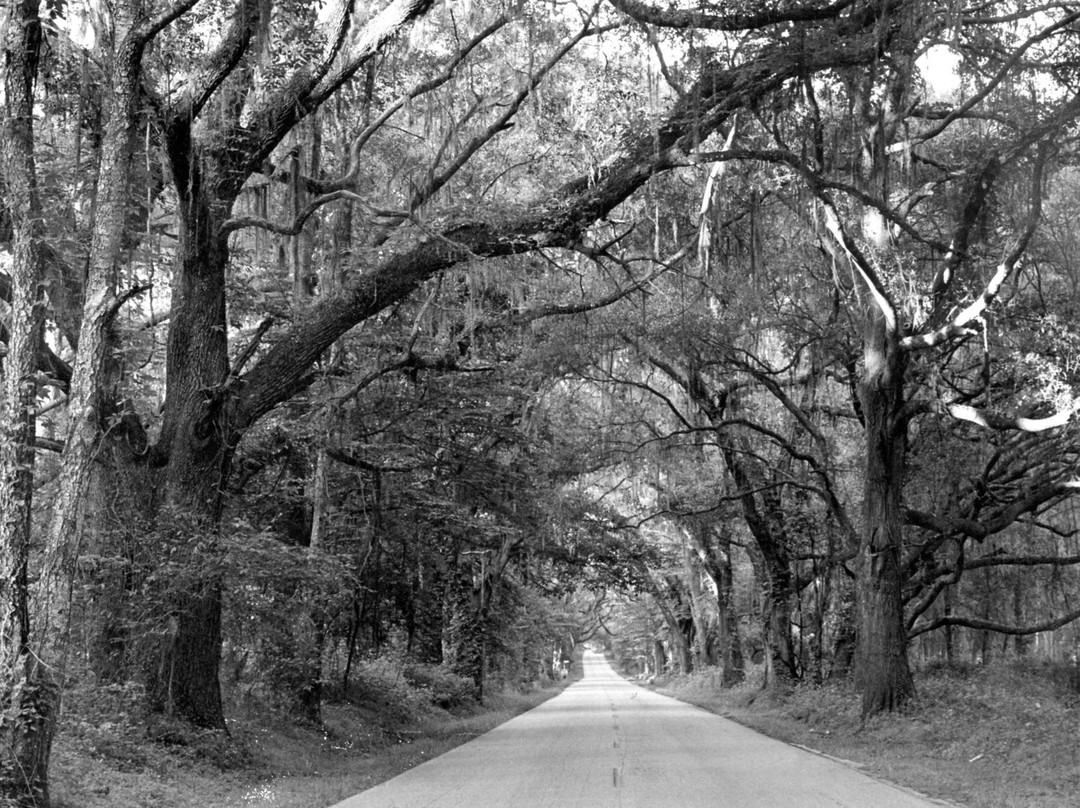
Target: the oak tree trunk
pixel 882 670
pixel 197 443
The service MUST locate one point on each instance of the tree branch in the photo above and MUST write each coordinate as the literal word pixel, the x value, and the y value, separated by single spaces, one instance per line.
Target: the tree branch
pixel 733 21
pixel 203 82
pixel 1022 561
pixel 959 326
pixel 297 224
pixel 980 530
pixel 998 628
pixel 1000 422
pixel 862 265
pixel 643 150
pixel 1000 76
pixel 152 27
pixel 349 179
pixel 306 91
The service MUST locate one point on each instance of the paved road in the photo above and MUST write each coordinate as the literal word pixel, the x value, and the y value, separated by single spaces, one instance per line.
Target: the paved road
pixel 605 742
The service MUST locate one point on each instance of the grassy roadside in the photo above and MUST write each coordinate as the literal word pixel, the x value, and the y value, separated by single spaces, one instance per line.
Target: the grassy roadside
pixel 106 757
pixel 1005 736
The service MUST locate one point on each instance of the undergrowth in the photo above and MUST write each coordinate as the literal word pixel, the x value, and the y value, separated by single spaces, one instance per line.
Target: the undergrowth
pixel 393 716
pixel 1003 736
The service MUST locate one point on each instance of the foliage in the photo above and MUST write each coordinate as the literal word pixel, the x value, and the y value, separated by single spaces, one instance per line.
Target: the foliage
pixel 395 352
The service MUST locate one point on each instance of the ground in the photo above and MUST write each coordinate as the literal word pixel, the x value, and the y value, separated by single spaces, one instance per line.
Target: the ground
pixel 109 755
pixel 1004 736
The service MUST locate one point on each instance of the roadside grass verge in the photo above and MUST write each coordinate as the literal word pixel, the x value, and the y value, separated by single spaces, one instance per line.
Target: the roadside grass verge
pixel 1003 736
pixel 108 756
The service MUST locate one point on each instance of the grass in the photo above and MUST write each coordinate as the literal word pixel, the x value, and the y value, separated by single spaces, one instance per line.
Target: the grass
pixel 1003 736
pixel 107 755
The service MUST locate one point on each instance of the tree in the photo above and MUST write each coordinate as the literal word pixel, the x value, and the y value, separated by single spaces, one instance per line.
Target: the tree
pixel 29 696
pixel 289 163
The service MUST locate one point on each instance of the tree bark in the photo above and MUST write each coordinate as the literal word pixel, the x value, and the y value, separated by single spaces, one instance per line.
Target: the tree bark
pixel 716 560
pixel 702 648
pixel 882 670
pixel 730 642
pixel 765 521
pixel 198 443
pixel 29 696
pixel 93 397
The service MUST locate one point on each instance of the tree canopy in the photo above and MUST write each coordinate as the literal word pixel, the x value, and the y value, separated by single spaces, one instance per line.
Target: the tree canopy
pixel 732 334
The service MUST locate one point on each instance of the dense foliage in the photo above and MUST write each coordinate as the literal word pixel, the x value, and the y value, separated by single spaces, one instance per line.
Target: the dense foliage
pixel 459 334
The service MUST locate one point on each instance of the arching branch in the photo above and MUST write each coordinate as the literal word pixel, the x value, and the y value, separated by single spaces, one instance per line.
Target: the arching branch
pixel 732 21
pixel 998 628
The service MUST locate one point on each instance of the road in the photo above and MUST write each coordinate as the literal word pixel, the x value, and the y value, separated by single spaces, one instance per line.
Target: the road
pixel 606 742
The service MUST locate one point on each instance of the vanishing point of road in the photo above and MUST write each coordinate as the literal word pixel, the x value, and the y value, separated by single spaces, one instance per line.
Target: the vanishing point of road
pixel 606 742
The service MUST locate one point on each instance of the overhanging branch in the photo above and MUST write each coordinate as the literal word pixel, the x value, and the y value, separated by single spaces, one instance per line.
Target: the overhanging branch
pixel 998 628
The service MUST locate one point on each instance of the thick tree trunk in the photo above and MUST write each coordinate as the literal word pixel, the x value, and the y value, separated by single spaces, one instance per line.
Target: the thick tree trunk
pixel 86 404
pixel 183 674
pixel 197 442
pixel 678 630
pixel 465 640
pixel 781 661
pixel 882 670
pixel 93 395
pixel 716 560
pixel 731 656
pixel 29 696
pixel 659 657
pixel 185 683
pixel 28 723
pixel 766 523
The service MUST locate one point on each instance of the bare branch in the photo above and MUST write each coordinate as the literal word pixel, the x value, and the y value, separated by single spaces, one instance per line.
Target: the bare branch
pixel 49 445
pixel 349 459
pixel 1001 422
pixel 733 21
pixel 349 179
pixel 152 27
pixel 980 530
pixel 297 224
pixel 249 349
pixel 1023 561
pixel 335 43
pixel 959 326
pixel 502 121
pixel 553 310
pixel 1000 76
pixel 999 628
pixel 862 265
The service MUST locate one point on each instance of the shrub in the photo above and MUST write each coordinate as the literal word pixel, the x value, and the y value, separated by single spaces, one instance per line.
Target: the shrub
pixel 443 687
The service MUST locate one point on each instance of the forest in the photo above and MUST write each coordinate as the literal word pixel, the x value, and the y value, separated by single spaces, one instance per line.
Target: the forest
pixel 730 335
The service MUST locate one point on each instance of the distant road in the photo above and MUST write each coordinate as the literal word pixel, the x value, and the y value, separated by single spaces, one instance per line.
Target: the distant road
pixel 605 742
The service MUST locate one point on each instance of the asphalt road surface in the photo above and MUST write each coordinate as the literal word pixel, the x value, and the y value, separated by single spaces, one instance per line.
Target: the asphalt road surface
pixel 606 742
